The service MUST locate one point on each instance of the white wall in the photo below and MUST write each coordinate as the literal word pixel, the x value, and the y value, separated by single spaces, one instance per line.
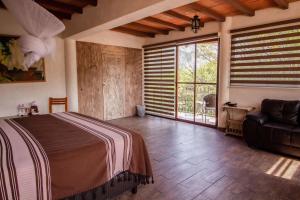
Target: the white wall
pixel 116 39
pixel 13 94
pixel 71 74
pixel 224 69
pixel 252 96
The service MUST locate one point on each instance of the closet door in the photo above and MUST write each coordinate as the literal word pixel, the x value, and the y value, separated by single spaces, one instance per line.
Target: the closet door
pixel 133 80
pixel 113 82
pixel 89 70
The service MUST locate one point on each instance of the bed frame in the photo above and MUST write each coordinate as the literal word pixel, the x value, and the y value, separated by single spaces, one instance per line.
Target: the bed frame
pixel 121 183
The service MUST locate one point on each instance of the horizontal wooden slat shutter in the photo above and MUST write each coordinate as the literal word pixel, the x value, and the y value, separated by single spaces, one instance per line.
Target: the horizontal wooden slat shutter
pixel 266 55
pixel 159 81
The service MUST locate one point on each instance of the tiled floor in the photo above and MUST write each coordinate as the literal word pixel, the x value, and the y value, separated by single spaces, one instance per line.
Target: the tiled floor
pixel 195 162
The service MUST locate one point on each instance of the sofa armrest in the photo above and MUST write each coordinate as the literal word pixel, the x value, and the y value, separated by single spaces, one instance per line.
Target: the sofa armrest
pixel 257 117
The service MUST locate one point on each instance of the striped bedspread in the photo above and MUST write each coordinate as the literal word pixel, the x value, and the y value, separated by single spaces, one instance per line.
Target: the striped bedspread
pixel 118 142
pixel 42 157
pixel 25 173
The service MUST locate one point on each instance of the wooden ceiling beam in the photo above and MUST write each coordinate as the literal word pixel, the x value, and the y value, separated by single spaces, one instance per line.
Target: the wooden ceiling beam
pixel 237 4
pixel 283 4
pixel 61 15
pixel 148 28
pixel 2 5
pixel 91 2
pixel 59 9
pixel 133 32
pixel 58 6
pixel 164 23
pixel 209 12
pixel 177 15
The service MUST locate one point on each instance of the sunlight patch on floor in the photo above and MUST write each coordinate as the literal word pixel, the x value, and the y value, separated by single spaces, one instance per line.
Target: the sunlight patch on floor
pixel 284 168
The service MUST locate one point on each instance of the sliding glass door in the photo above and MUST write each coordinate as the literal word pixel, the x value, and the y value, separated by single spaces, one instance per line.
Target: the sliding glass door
pixel 197 77
pixel 186 82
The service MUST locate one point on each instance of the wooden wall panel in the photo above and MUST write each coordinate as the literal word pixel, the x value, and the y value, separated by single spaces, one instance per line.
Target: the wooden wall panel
pixel 113 85
pixel 89 69
pixel 109 80
pixel 133 80
pixel 97 82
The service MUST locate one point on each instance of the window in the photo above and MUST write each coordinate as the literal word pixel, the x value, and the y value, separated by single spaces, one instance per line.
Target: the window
pixel 179 73
pixel 266 55
pixel 197 74
pixel 159 81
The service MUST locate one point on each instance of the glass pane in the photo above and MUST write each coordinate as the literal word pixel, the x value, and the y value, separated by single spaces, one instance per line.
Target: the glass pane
pixel 206 104
pixel 186 63
pixel 207 62
pixel 185 102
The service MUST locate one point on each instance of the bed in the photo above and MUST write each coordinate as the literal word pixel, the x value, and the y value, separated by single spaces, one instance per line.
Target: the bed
pixel 68 155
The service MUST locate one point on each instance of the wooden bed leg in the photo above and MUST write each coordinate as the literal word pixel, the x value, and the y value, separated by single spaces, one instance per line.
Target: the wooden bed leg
pixel 134 190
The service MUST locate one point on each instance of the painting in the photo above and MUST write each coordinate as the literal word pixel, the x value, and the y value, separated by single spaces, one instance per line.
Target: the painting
pixel 12 69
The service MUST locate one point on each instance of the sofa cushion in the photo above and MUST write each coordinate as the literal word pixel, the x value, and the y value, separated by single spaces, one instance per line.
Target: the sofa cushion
pixel 273 109
pixel 257 117
pixel 279 133
pixel 282 111
pixel 295 141
pixel 291 112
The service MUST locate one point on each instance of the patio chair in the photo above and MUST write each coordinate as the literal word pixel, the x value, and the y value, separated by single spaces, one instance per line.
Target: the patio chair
pixel 209 104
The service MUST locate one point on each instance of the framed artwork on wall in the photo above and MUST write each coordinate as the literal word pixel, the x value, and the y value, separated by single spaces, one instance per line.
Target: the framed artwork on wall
pixel 12 69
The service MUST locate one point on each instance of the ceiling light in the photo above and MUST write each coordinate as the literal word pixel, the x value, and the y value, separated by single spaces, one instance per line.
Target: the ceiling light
pixel 196 24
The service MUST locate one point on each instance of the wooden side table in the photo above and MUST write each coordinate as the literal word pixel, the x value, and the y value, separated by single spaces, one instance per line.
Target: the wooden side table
pixel 235 117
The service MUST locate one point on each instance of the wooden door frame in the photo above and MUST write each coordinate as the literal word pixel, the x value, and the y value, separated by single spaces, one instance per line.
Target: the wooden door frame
pixel 217 86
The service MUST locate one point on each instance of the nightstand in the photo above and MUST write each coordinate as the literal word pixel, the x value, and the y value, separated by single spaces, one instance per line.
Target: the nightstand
pixel 235 117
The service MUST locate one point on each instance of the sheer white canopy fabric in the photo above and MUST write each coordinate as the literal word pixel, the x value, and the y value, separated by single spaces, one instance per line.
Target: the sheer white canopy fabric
pixel 40 25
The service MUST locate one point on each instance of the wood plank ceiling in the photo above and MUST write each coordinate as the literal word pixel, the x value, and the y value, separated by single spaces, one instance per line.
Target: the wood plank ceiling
pixel 63 9
pixel 209 10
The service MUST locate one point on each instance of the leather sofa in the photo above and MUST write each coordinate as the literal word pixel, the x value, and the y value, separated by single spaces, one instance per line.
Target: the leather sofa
pixel 275 128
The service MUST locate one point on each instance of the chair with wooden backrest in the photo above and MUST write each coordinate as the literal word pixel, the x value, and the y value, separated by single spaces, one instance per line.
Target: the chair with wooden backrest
pixel 58 101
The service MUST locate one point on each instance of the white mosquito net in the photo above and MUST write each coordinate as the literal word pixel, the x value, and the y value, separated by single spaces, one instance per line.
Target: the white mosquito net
pixel 40 25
